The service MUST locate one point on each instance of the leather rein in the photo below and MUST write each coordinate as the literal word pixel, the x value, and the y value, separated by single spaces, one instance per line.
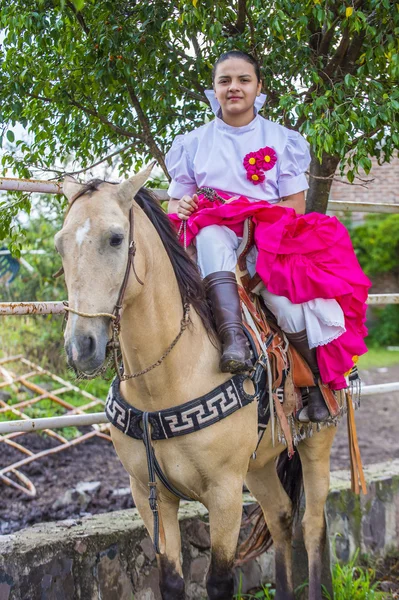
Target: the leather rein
pixel 114 344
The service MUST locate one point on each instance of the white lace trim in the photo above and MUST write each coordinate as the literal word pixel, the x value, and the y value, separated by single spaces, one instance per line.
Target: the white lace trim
pixel 331 338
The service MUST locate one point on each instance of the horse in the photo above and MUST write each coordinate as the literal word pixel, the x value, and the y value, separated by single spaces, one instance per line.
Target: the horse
pixel 101 252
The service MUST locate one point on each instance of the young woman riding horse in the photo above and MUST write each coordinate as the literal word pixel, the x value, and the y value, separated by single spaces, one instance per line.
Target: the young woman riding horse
pixel 124 267
pixel 313 282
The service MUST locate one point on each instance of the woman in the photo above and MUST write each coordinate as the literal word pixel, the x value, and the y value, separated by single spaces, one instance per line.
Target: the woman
pixel 240 152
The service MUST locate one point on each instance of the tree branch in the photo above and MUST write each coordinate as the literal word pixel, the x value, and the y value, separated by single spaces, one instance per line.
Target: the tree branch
pixel 364 136
pixel 79 17
pixel 192 94
pixel 146 127
pixel 338 56
pixel 196 46
pixel 100 161
pixel 93 113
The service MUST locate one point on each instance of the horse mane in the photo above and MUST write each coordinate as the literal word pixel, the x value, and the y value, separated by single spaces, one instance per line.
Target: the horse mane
pixel 191 287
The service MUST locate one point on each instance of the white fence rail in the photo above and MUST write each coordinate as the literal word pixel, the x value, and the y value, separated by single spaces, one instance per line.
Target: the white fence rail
pixel 8 184
pixel 47 308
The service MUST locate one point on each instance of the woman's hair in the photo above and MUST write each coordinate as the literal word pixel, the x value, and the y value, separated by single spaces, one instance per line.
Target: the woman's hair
pixel 237 54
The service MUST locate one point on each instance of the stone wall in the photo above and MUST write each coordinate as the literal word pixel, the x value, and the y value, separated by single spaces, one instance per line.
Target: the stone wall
pixel 111 557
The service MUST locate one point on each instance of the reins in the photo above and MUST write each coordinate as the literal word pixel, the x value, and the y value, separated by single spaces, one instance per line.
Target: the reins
pixel 115 316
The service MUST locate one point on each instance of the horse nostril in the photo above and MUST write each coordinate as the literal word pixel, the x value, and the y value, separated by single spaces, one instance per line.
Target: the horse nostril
pixel 87 346
pixel 92 345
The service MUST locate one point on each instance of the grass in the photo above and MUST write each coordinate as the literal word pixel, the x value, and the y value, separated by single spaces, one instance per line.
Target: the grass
pixel 350 582
pixel 379 357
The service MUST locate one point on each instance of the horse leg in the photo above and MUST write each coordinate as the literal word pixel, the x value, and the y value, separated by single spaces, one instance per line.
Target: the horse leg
pixel 265 485
pixel 171 581
pixel 315 458
pixel 225 512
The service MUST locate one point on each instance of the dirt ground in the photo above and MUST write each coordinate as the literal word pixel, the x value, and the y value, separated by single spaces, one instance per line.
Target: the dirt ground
pixel 57 476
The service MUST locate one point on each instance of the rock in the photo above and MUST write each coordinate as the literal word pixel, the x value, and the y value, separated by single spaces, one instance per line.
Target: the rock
pixel 88 487
pixel 112 577
pixel 148 548
pixel 198 535
pixel 140 560
pixel 121 492
pixel 5 396
pixel 198 569
pixel 72 497
pixel 249 575
pixel 389 586
pixel 80 547
pixel 150 587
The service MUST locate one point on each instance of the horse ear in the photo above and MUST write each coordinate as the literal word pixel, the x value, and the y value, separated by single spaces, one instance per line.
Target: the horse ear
pixel 129 188
pixel 71 187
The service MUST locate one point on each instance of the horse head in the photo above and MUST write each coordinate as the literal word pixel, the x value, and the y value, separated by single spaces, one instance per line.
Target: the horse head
pixel 93 244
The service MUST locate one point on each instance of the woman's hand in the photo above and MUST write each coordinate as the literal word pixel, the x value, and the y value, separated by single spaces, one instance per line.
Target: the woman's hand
pixel 183 207
pixel 186 206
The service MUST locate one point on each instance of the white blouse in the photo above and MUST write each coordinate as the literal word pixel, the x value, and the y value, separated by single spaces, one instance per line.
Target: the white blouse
pixel 212 155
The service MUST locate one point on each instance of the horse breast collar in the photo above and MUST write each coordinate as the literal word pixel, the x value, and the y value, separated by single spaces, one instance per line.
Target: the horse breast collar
pixel 179 420
pixel 171 422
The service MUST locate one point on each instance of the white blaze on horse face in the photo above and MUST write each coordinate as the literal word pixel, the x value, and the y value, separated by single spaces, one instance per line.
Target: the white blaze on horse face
pixel 82 231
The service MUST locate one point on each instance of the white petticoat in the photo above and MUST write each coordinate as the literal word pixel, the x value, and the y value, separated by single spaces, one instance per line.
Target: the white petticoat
pixel 322 318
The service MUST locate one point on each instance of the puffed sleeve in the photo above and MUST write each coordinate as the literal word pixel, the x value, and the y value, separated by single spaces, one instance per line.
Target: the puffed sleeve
pixel 293 164
pixel 180 169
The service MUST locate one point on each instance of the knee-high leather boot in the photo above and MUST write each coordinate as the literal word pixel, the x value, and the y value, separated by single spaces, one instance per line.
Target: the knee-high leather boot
pixel 317 408
pixel 222 291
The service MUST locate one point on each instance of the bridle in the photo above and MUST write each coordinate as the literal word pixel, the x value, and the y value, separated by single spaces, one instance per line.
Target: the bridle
pixel 113 345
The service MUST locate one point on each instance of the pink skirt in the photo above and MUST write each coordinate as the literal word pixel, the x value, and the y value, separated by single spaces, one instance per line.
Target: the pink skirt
pixel 301 257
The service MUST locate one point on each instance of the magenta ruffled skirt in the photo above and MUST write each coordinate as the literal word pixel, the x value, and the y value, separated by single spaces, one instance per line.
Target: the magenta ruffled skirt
pixel 301 257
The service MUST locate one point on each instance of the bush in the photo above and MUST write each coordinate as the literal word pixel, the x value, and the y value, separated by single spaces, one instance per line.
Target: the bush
pixel 376 244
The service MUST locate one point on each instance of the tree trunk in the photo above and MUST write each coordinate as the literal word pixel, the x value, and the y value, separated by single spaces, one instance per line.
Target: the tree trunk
pixel 320 180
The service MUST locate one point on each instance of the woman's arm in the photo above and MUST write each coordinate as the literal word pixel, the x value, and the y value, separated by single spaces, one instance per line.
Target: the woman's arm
pixel 295 201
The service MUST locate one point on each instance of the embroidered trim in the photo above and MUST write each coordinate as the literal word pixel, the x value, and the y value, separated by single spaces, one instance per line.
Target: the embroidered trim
pixel 178 420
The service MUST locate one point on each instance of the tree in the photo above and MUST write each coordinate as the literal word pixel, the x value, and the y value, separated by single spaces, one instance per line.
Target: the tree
pixel 121 78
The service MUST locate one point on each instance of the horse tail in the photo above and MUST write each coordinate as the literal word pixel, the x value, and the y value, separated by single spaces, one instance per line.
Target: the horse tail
pixel 259 540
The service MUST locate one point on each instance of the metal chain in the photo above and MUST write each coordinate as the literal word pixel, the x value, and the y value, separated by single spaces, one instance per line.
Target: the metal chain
pixel 183 227
pixel 183 325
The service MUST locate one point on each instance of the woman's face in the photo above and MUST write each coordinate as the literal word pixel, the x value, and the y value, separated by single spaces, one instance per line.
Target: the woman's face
pixel 236 87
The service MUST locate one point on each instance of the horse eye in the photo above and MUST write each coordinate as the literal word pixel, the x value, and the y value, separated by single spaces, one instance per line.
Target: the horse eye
pixel 116 240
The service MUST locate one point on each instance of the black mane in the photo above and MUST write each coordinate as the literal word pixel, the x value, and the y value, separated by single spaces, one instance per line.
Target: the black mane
pixel 187 274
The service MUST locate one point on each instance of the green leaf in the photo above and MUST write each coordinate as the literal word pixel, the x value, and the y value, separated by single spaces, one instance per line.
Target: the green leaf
pixel 10 136
pixel 78 4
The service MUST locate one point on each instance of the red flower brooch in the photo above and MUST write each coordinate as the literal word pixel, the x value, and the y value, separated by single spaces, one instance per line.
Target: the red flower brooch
pixel 257 162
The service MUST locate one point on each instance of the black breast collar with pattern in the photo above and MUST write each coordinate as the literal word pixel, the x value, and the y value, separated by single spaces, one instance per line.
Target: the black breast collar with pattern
pixel 178 420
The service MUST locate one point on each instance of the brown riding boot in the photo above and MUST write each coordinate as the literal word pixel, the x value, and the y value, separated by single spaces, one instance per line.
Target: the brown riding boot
pixel 317 408
pixel 221 289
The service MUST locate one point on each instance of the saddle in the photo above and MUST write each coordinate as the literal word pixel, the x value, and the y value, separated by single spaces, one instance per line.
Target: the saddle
pixel 288 370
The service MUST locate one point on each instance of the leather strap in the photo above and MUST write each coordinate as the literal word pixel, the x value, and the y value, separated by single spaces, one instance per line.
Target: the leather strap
pixel 130 264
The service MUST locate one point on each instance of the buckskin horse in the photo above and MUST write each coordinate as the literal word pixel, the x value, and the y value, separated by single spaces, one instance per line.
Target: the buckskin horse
pixel 124 267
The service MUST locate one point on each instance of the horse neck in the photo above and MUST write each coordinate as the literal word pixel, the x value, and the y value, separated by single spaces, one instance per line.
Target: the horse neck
pixel 150 322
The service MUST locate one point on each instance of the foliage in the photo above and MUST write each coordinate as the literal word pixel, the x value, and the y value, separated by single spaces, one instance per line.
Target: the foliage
pixel 377 247
pixel 352 581
pixel 377 244
pixel 266 593
pixel 118 79
pixel 385 330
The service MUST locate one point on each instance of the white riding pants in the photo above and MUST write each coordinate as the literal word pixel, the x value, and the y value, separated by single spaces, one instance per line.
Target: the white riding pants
pixel 322 318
